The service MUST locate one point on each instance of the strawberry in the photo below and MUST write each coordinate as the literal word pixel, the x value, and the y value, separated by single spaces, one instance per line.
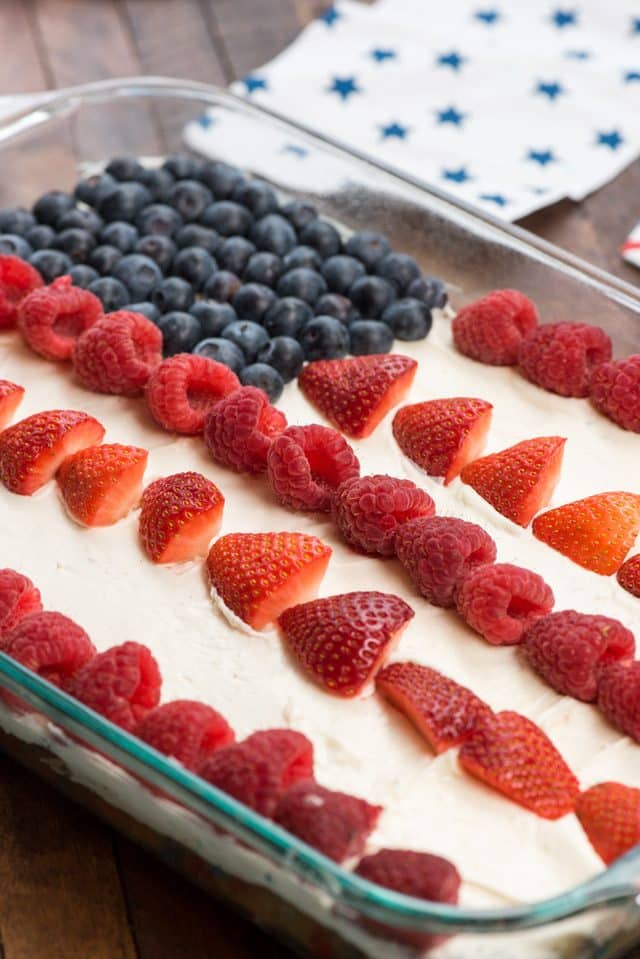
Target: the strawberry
pixel 10 398
pixel 629 575
pixel 356 393
pixel 596 532
pixel 101 484
pixel 609 813
pixel 342 641
pixel 32 450
pixel 180 515
pixel 258 575
pixel 513 755
pixel 442 710
pixel 442 436
pixel 520 480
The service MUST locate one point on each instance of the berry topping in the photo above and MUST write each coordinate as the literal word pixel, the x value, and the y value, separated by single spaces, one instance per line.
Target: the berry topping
pixel 438 552
pixel 609 813
pixel 513 755
pixel 10 398
pixel 335 823
pixel 122 684
pixel 619 696
pixel 491 329
pixel 324 337
pixel 567 648
pixel 258 575
pixel 180 515
pixel 118 354
pixel 183 389
pixel 370 510
pixel 629 575
pixel 186 730
pixel 49 644
pixel 33 449
pixel 442 436
pixel 342 641
pixel 261 768
pixel 520 480
pixel 18 598
pixel 615 391
pixel 442 710
pixel 17 280
pixel 500 601
pixel 596 532
pixel 264 378
pixel 307 464
pixel 356 393
pixel 560 357
pixel 240 428
pixel 101 484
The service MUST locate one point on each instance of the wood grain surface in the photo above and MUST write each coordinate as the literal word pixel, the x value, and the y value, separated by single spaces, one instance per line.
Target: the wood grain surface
pixel 69 887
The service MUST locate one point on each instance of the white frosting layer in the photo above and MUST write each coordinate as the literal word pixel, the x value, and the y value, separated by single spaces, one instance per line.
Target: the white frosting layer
pixel 101 578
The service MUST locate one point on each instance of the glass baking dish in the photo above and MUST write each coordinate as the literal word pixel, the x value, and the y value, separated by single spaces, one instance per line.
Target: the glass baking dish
pixel 303 897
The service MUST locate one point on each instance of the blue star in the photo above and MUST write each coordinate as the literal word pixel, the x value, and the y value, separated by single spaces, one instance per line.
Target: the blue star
pixel 381 55
pixel 451 115
pixel 564 18
pixel 612 140
pixel 253 82
pixel 631 75
pixel 453 60
pixel 635 25
pixel 487 16
pixel 551 90
pixel 456 176
pixel 578 54
pixel 294 150
pixel 395 130
pixel 330 16
pixel 541 156
pixel 496 198
pixel 205 121
pixel 344 87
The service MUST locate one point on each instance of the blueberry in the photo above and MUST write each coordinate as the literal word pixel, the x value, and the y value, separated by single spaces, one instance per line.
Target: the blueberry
pixel 341 272
pixel 227 218
pixel 139 274
pixel 220 178
pixel 286 317
pixel 252 301
pixel 124 201
pixel 95 188
pixel 16 220
pixel 408 319
pixel 257 196
pixel 371 295
pixel 368 247
pixel 190 198
pixel 159 248
pixel 299 212
pixel 104 258
pixel 322 236
pixel 158 182
pixel 80 218
pixel 334 304
pixel 222 351
pixel 273 233
pixel 399 269
pixel 158 218
pixel 40 236
pixel 124 168
pixel 122 235
pixel 222 286
pixel 213 317
pixel 233 254
pixel 147 309
pixel 112 293
pixel 302 256
pixel 250 337
pixel 324 338
pixel 13 245
pixel 180 332
pixel 194 265
pixel 263 268
pixel 83 275
pixel 76 243
pixel 183 167
pixel 370 336
pixel 192 234
pixel 51 206
pixel 173 294
pixel 303 283
pixel 50 263
pixel 429 290
pixel 285 355
pixel 265 378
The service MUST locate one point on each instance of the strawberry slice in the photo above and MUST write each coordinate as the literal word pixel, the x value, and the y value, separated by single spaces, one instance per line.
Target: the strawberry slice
pixel 513 755
pixel 442 710
pixel 609 813
pixel 342 641
pixel 596 532
pixel 258 575
pixel 180 515
pixel 442 436
pixel 520 480
pixel 10 399
pixel 101 484
pixel 356 393
pixel 31 451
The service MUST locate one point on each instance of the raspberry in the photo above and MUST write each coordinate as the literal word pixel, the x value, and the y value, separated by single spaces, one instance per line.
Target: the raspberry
pixel 261 768
pixel 333 822
pixel 18 598
pixel 118 354
pixel 567 648
pixel 51 645
pixel 186 730
pixel 499 601
pixel 619 697
pixel 615 391
pixel 185 388
pixel 306 465
pixel 491 329
pixel 629 575
pixel 122 684
pixel 609 813
pixel 53 317
pixel 438 552
pixel 239 429
pixel 180 515
pixel 560 357
pixel 17 280
pixel 370 510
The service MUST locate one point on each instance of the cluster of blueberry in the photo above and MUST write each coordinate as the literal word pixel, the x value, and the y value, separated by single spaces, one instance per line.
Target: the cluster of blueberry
pixel 224 268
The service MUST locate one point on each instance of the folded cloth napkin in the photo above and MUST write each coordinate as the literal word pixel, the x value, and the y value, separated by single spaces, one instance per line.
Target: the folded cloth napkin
pixel 630 249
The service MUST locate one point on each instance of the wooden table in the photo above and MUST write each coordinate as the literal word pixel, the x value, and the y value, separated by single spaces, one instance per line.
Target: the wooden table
pixel 70 888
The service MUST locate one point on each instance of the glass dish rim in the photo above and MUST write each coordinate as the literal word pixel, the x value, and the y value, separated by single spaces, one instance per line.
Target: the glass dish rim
pixel 617 884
